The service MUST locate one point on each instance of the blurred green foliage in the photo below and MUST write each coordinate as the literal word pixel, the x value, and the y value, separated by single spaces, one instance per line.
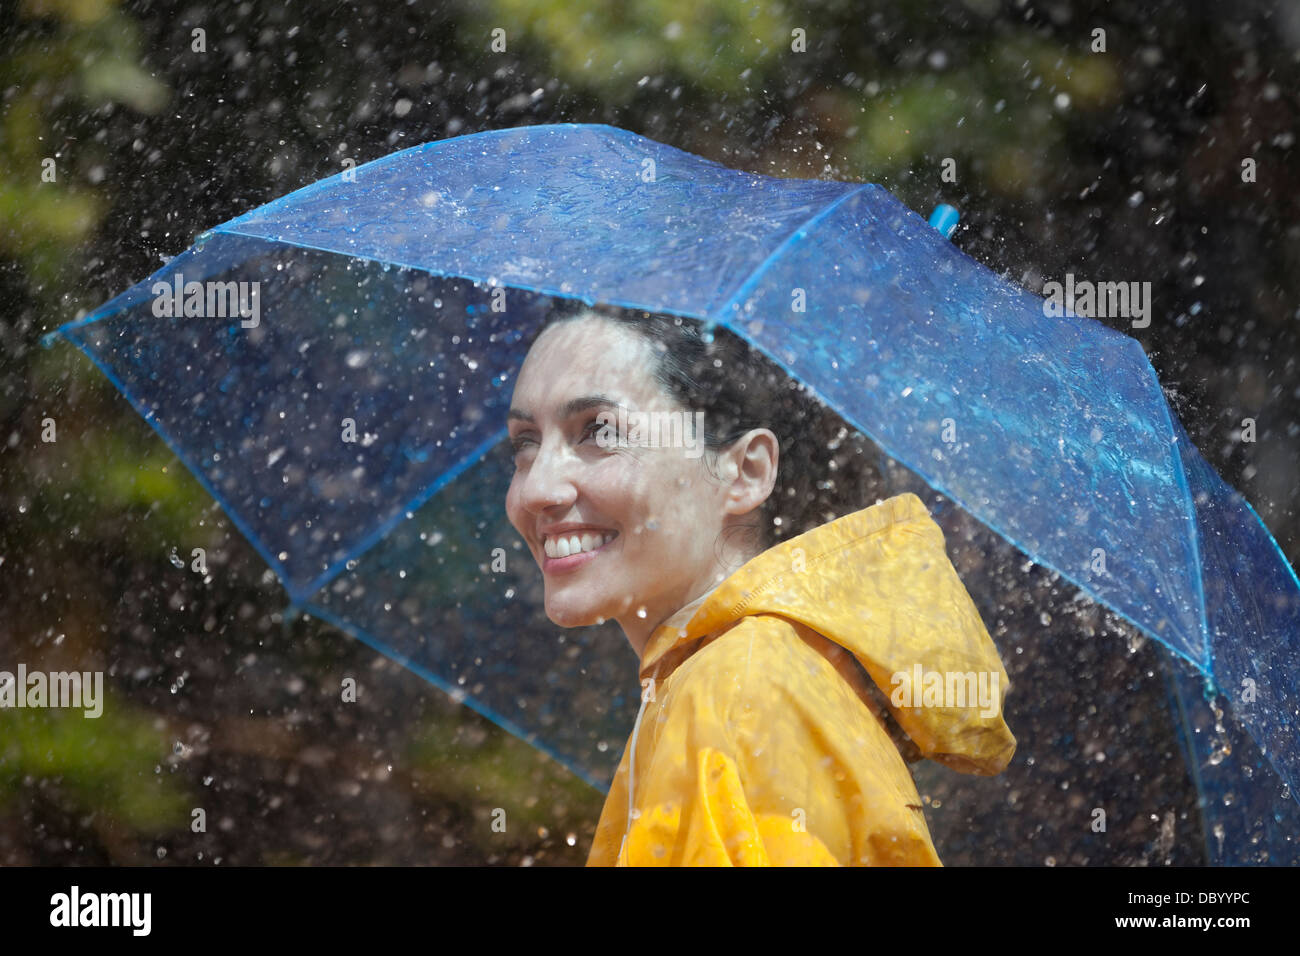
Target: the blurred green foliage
pixel 86 55
pixel 110 766
pixel 602 45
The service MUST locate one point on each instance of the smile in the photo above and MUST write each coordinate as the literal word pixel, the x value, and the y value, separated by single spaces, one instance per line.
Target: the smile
pixel 567 545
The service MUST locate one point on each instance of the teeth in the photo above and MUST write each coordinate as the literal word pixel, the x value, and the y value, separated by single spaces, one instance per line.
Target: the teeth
pixel 565 545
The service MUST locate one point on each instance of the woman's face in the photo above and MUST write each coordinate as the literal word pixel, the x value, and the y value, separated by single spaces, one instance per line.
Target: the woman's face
pixel 659 508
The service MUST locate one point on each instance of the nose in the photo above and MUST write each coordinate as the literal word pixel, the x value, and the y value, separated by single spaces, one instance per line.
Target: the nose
pixel 548 479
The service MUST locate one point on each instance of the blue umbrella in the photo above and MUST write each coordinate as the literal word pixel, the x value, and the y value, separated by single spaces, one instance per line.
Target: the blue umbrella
pixel 334 367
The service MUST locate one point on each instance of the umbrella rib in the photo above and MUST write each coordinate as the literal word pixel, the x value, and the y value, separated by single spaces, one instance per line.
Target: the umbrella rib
pixel 382 529
pixel 1207 665
pixel 795 236
pixel 175 448
pixel 457 694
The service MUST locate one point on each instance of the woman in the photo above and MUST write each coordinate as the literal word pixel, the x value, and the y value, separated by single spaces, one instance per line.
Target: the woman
pixel 780 646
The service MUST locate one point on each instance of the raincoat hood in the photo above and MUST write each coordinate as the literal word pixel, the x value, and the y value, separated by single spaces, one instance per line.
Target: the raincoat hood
pixel 878 584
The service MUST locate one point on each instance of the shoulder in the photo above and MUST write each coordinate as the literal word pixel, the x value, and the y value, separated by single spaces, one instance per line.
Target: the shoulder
pixel 763 657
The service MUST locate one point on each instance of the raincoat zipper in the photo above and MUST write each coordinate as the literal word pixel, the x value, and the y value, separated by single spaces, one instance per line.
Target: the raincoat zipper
pixel 647 694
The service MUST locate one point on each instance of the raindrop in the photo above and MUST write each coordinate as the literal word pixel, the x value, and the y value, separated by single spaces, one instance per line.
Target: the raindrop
pixel 176 559
pixel 640 612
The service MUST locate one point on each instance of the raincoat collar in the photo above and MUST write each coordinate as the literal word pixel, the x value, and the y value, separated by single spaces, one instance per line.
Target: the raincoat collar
pixel 769 582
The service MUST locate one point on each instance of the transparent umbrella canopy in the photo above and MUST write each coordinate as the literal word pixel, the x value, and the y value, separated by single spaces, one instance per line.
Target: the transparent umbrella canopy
pixel 335 368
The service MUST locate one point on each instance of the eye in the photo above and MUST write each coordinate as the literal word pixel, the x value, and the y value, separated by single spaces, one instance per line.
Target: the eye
pixel 518 444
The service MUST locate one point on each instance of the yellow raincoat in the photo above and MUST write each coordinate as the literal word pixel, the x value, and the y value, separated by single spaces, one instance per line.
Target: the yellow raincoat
pixel 761 741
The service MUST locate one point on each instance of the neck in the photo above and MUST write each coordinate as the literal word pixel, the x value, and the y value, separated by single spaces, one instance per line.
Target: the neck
pixel 639 630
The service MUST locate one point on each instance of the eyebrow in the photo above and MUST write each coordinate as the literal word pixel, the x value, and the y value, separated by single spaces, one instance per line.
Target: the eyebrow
pixel 569 409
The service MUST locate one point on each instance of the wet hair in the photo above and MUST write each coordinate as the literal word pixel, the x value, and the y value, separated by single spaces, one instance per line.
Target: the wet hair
pixel 826 469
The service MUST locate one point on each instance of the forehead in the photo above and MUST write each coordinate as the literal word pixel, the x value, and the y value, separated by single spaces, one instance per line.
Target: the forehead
pixel 584 356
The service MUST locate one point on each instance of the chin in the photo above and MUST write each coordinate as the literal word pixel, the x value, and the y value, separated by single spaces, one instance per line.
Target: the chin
pixel 569 616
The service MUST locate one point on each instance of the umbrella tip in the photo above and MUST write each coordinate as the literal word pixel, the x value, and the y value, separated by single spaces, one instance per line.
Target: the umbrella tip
pixel 944 218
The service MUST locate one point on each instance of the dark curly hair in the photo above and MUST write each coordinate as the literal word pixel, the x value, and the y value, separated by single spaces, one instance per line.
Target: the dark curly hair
pixel 826 468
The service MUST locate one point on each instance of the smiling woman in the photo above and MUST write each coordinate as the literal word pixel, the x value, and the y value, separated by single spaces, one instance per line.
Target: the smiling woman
pixel 767 611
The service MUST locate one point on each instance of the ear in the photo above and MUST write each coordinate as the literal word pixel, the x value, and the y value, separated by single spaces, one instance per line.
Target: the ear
pixel 748 470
